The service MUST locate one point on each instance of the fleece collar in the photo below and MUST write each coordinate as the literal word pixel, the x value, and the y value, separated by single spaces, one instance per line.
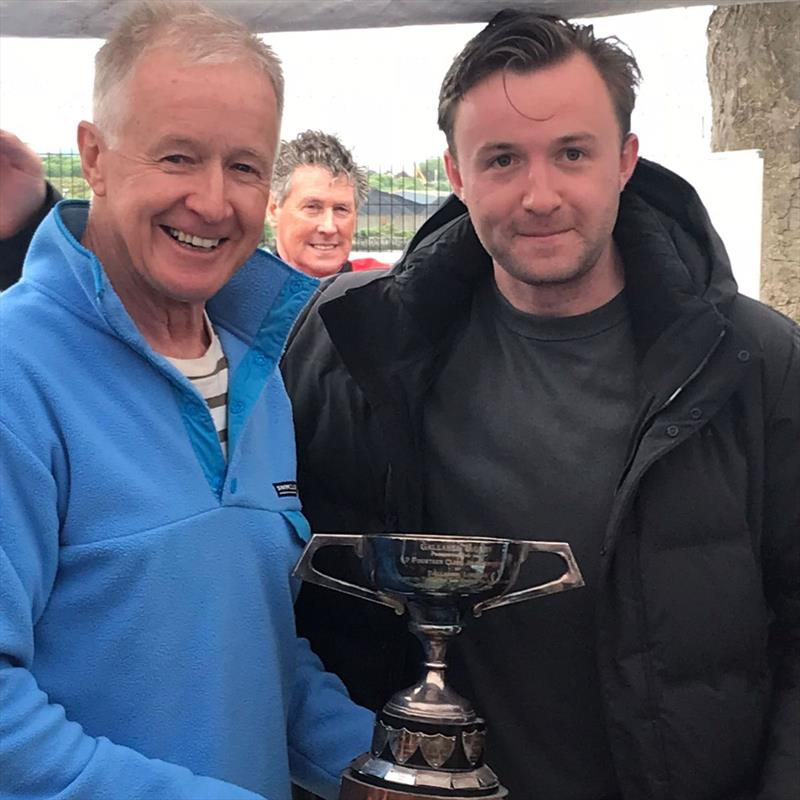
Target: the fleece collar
pixel 258 304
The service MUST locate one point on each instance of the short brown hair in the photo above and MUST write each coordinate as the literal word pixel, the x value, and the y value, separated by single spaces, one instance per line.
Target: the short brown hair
pixel 522 41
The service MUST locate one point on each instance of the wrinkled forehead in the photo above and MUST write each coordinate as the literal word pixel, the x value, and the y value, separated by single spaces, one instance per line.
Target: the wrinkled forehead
pixel 319 181
pixel 164 74
pixel 234 101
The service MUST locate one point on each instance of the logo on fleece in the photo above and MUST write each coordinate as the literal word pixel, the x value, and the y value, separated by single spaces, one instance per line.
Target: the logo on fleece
pixel 286 488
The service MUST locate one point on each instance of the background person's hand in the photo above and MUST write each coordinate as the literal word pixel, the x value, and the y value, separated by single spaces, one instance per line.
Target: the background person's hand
pixel 22 184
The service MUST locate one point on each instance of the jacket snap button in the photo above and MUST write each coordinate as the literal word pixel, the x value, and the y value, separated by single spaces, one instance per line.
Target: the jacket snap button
pixel 743 355
pixel 261 359
pixel 696 413
pixel 673 431
pixel 237 407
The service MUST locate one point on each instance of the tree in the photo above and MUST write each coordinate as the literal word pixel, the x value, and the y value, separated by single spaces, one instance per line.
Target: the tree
pixel 754 75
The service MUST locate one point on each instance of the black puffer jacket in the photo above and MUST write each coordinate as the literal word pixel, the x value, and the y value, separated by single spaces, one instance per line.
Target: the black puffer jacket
pixel 698 612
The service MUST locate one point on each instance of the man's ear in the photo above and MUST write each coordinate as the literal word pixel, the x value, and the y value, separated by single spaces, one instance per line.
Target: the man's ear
pixel 92 148
pixel 273 211
pixel 453 174
pixel 628 158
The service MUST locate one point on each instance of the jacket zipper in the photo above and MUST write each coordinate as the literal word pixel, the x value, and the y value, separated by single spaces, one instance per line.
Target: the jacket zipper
pixel 649 419
pixel 623 503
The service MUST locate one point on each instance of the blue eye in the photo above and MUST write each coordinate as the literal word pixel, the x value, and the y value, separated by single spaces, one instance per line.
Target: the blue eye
pixel 176 159
pixel 503 160
pixel 573 154
pixel 245 168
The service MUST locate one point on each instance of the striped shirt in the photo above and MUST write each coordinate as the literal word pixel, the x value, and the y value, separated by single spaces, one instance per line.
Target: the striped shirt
pixel 209 375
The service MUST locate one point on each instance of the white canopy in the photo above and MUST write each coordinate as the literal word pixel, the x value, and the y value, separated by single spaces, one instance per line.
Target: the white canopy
pixel 94 18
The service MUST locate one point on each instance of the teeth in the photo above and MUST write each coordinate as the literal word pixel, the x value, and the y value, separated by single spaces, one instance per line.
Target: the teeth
pixel 196 241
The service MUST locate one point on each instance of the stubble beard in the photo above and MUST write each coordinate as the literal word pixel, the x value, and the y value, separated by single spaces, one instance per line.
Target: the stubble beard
pixel 526 271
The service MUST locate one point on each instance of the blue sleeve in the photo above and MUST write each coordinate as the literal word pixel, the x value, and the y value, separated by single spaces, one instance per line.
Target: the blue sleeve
pixel 327 730
pixel 43 754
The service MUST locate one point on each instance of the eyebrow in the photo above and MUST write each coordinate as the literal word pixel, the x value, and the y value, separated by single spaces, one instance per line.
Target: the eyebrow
pixel 492 147
pixel 175 141
pixel 312 198
pixel 191 144
pixel 570 138
pixel 577 138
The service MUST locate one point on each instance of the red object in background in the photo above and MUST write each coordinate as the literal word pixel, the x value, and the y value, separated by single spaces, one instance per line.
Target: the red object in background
pixel 360 264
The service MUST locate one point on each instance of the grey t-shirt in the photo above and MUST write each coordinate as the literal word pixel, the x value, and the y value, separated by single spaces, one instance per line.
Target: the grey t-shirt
pixel 525 435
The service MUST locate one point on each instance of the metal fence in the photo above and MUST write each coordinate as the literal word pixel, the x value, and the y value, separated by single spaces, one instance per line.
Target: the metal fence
pixel 400 199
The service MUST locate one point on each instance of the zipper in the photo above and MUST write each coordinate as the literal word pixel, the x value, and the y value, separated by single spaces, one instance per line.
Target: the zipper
pixel 649 419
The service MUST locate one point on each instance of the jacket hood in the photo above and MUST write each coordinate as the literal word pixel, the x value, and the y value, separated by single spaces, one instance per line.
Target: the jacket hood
pixel 676 212
pixel 678 282
pixel 675 262
pixel 673 256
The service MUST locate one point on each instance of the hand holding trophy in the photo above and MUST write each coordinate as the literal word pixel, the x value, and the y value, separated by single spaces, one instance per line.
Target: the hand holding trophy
pixel 428 741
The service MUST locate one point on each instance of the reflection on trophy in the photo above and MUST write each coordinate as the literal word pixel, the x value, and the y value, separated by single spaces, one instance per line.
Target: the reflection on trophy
pixel 428 741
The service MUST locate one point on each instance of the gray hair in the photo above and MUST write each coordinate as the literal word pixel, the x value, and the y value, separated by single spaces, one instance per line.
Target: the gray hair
pixel 200 35
pixel 524 41
pixel 314 148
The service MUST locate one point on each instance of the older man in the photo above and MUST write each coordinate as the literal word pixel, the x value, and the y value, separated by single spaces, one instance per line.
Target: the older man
pixel 150 519
pixel 316 190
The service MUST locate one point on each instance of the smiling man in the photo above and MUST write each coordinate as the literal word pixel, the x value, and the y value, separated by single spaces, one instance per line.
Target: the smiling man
pixel 316 190
pixel 562 354
pixel 150 520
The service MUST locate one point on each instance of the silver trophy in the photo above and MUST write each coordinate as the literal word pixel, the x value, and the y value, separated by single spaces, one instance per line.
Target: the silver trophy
pixel 428 741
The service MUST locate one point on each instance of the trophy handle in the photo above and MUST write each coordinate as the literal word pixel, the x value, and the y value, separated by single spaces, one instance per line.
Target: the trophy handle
pixel 571 579
pixel 305 569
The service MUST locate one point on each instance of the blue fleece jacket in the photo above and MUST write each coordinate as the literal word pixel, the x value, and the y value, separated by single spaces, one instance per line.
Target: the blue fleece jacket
pixel 147 645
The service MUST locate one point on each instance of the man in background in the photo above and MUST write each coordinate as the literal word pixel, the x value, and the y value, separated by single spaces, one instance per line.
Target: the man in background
pixel 317 189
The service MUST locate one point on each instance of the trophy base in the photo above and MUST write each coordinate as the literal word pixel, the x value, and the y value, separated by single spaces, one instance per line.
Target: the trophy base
pixel 353 788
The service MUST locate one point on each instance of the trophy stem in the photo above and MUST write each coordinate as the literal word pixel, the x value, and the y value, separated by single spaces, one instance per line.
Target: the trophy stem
pixel 435 640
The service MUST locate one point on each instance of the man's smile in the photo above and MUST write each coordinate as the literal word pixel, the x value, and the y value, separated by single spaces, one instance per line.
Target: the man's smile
pixel 190 240
pixel 321 246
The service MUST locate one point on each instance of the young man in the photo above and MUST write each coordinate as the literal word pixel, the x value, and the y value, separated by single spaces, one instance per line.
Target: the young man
pixel 562 354
pixel 150 520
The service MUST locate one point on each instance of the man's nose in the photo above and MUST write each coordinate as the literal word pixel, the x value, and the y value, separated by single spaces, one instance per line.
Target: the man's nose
pixel 541 194
pixel 326 222
pixel 209 196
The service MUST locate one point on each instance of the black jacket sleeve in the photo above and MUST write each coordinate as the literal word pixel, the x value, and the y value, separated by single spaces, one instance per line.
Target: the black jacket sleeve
pixel 781 565
pixel 342 490
pixel 13 250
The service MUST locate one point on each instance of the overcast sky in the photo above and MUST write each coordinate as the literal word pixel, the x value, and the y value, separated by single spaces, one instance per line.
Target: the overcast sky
pixel 377 89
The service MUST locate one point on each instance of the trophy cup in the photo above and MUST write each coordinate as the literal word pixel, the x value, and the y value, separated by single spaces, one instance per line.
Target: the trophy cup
pixel 428 742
